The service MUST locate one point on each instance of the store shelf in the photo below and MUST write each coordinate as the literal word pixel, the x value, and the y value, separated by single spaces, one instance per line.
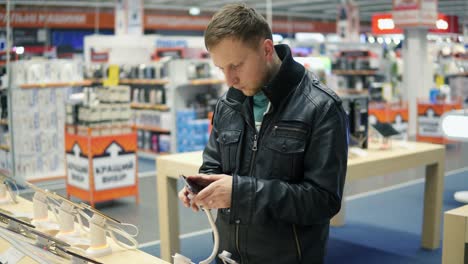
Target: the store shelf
pixel 159 107
pixel 55 85
pixel 5 147
pixel 352 92
pixel 354 72
pixel 3 121
pixel 144 81
pixel 461 74
pixel 95 80
pixel 153 129
pixel 205 81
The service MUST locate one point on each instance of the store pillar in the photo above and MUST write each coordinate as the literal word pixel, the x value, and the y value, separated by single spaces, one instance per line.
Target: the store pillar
pixel 417 77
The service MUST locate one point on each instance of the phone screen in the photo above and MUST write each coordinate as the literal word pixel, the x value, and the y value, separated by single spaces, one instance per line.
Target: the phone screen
pixel 191 185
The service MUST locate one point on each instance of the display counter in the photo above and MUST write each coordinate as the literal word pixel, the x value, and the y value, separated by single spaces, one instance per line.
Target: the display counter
pixel 119 255
pixel 455 243
pixel 376 163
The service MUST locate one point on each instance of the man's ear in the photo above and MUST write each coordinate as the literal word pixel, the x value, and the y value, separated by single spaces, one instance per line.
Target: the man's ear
pixel 269 49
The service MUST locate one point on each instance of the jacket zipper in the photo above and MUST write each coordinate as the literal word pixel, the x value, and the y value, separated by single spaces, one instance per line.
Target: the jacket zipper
pixel 254 150
pixel 298 245
pixel 276 128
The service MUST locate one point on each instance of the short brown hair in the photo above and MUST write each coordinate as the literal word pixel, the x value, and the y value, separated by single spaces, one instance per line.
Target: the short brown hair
pixel 239 22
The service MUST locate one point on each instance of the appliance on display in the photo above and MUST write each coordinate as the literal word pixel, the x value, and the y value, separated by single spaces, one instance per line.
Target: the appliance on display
pixel 198 70
pixel 7 194
pixel 353 60
pixel 357 107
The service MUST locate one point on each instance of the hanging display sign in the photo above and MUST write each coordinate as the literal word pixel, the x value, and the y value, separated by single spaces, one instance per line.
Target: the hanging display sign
pixel 384 24
pixel 415 13
pixel 100 168
pixel 347 26
pixel 78 168
pixel 114 169
pixel 128 17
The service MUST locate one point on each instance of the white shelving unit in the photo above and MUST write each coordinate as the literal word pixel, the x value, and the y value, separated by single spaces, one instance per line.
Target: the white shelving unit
pixel 185 84
pixel 35 148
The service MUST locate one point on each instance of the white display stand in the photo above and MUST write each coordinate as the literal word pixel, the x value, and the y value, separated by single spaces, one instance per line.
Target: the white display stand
pixel 36 117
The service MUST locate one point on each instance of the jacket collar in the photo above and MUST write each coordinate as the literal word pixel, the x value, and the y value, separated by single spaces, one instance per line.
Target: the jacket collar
pixel 288 77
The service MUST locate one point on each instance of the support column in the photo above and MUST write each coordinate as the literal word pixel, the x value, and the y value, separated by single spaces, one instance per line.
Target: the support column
pixel 417 74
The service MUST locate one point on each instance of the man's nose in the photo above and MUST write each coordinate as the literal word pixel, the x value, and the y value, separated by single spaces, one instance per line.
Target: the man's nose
pixel 231 78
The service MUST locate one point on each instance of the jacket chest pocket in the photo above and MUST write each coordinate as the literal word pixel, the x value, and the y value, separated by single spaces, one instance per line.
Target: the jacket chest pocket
pixel 228 143
pixel 286 146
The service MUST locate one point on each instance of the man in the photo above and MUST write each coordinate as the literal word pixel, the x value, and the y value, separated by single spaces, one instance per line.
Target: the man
pixel 276 160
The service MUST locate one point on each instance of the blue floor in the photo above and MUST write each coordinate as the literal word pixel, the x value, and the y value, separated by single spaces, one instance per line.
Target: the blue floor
pixel 381 228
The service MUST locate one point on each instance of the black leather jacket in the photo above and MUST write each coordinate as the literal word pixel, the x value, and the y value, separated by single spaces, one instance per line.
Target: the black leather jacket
pixel 288 178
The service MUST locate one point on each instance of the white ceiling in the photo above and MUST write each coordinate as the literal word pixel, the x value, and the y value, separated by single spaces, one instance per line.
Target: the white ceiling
pixel 310 9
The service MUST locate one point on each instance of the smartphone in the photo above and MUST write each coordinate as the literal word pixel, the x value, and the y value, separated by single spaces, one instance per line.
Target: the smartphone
pixel 191 185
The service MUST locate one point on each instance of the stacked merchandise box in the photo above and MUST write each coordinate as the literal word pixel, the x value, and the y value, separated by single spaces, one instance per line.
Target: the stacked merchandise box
pixel 156 140
pixel 39 116
pixel 192 133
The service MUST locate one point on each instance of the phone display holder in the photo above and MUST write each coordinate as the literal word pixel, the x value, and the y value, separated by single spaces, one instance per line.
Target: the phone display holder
pixel 101 224
pixel 41 210
pixel 386 130
pixel 67 214
pixel 99 246
pixel 225 256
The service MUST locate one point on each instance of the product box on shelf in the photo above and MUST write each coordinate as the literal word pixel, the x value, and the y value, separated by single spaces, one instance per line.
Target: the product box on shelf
pixel 192 134
pixel 39 116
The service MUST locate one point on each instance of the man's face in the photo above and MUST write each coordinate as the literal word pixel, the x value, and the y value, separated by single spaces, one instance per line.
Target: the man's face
pixel 244 67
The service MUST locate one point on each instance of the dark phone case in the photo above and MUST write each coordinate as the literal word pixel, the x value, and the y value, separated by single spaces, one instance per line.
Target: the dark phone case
pixel 192 186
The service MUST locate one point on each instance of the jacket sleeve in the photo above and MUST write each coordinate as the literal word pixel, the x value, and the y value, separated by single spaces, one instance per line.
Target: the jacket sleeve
pixel 211 153
pixel 313 200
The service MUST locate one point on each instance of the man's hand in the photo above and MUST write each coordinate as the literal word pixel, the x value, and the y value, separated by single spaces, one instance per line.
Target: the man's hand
pixel 216 194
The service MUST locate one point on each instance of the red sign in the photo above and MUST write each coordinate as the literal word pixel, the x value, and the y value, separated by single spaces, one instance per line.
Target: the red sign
pixel 39 19
pixel 415 13
pixel 405 4
pixel 383 24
